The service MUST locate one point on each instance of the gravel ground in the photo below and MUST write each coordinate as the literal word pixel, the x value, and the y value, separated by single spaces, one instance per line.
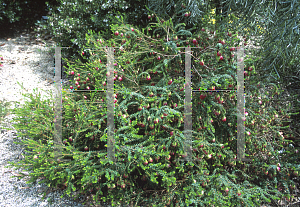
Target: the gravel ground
pixel 27 62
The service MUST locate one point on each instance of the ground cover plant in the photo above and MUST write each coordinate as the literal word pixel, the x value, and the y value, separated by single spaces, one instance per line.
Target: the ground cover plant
pixel 149 122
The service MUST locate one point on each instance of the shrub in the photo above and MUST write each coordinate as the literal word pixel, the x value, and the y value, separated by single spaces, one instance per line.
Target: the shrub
pixel 72 19
pixel 4 111
pixel 149 130
pixel 69 21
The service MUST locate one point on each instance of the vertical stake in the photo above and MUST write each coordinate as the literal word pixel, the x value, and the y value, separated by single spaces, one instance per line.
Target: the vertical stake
pixel 58 104
pixel 188 106
pixel 240 105
pixel 110 105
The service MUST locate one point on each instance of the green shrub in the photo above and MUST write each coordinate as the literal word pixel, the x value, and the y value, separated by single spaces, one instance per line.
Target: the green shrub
pixel 148 171
pixel 69 22
pixel 4 110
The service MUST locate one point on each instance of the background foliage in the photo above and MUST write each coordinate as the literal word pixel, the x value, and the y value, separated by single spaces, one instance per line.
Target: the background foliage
pixel 279 42
pixel 19 14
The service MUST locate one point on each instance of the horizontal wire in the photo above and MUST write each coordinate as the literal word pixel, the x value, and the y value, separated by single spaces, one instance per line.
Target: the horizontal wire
pixel 213 90
pixel 123 48
pixel 105 90
pixel 85 90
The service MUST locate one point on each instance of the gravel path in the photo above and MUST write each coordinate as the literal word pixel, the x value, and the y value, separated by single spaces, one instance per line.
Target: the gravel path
pixel 27 62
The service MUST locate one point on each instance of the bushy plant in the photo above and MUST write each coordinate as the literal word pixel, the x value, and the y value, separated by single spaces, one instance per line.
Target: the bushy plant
pixel 72 19
pixel 69 21
pixel 4 110
pixel 35 118
pixel 149 124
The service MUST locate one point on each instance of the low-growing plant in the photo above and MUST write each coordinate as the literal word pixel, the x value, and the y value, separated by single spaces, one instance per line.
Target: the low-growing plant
pixel 149 124
pixel 4 110
pixel 34 118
